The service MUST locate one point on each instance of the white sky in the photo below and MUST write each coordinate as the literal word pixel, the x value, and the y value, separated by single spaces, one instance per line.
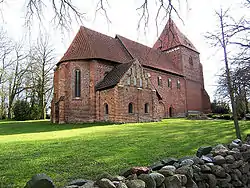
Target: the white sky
pixel 198 17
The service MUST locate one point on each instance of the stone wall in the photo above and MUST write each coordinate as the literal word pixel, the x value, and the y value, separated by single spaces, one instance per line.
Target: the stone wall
pixel 222 166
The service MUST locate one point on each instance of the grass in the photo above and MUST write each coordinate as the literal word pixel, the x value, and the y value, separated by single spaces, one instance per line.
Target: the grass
pixel 71 151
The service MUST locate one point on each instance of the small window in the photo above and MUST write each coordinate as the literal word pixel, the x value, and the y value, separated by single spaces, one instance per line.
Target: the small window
pixel 159 81
pixel 146 108
pixel 130 108
pixel 128 81
pixel 77 83
pixel 134 81
pixel 169 83
pixel 140 82
pixel 106 109
pixel 178 84
pixel 191 61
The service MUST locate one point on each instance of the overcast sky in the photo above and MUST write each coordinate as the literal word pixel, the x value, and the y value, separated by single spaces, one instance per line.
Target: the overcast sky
pixel 198 18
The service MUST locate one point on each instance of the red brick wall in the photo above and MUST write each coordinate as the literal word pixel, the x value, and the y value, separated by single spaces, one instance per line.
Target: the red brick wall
pixel 171 97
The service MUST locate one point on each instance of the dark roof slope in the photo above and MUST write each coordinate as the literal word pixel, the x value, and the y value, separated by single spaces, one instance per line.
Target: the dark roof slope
pixel 172 37
pixel 149 56
pixel 89 44
pixel 114 76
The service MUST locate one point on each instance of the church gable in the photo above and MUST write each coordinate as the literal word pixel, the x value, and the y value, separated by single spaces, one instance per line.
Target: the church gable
pixel 136 76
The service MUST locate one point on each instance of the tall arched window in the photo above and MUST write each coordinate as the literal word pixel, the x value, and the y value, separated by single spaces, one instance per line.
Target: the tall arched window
pixel 130 108
pixel 169 83
pixel 191 61
pixel 77 83
pixel 106 109
pixel 146 108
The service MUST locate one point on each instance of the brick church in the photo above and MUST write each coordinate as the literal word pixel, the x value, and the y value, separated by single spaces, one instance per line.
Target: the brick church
pixel 101 78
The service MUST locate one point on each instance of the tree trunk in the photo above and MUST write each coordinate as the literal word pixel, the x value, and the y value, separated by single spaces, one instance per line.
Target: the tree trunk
pixel 229 82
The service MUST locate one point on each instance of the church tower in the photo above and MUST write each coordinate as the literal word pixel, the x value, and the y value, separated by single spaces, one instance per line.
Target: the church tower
pixel 186 58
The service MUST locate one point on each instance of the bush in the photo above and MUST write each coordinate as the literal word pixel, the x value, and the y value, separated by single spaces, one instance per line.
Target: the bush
pixel 21 110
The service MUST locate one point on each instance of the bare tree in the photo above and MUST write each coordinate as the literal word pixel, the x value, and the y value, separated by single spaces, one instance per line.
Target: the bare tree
pixel 16 76
pixel 5 52
pixel 221 39
pixel 64 11
pixel 43 61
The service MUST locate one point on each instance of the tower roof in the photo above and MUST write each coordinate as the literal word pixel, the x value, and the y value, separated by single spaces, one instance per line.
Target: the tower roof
pixel 172 37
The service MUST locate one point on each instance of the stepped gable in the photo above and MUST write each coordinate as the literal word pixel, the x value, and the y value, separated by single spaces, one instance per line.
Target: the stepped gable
pixel 172 37
pixel 114 76
pixel 149 56
pixel 89 44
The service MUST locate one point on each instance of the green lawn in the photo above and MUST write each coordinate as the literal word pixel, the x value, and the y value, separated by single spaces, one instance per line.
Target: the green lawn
pixel 66 152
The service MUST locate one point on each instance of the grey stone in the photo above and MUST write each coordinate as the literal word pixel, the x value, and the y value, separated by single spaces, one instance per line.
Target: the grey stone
pixel 78 182
pixel 172 182
pixel 227 168
pixel 122 185
pixel 220 150
pixel 196 168
pixel 159 178
pixel 236 164
pixel 219 159
pixel 182 178
pixel 168 170
pixel 245 168
pixel 169 161
pixel 207 159
pixel 40 181
pixel 186 170
pixel 211 179
pixel 149 181
pixel 205 169
pixel 135 184
pixel 246 155
pixel 187 162
pixel 229 159
pixel 105 183
pixel 203 151
pixel 89 184
pixel 118 178
pixel 157 166
pixel 191 184
pixel 198 160
pixel 218 171
pixel 237 141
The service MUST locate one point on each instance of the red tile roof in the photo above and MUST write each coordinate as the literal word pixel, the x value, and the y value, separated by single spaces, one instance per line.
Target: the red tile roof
pixel 114 76
pixel 149 56
pixel 172 37
pixel 89 44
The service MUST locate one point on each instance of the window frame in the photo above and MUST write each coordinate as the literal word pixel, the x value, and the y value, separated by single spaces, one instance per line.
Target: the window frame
pixel 130 108
pixel 146 108
pixel 169 83
pixel 106 109
pixel 159 81
pixel 178 84
pixel 77 82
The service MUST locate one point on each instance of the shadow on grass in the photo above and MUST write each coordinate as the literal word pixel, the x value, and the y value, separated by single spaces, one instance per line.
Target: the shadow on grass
pixel 37 126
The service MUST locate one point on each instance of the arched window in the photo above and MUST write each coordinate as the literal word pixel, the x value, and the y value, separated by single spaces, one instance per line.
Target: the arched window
pixel 106 109
pixel 169 83
pixel 140 83
pixel 178 84
pixel 130 108
pixel 134 81
pixel 190 60
pixel 159 81
pixel 146 108
pixel 77 83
